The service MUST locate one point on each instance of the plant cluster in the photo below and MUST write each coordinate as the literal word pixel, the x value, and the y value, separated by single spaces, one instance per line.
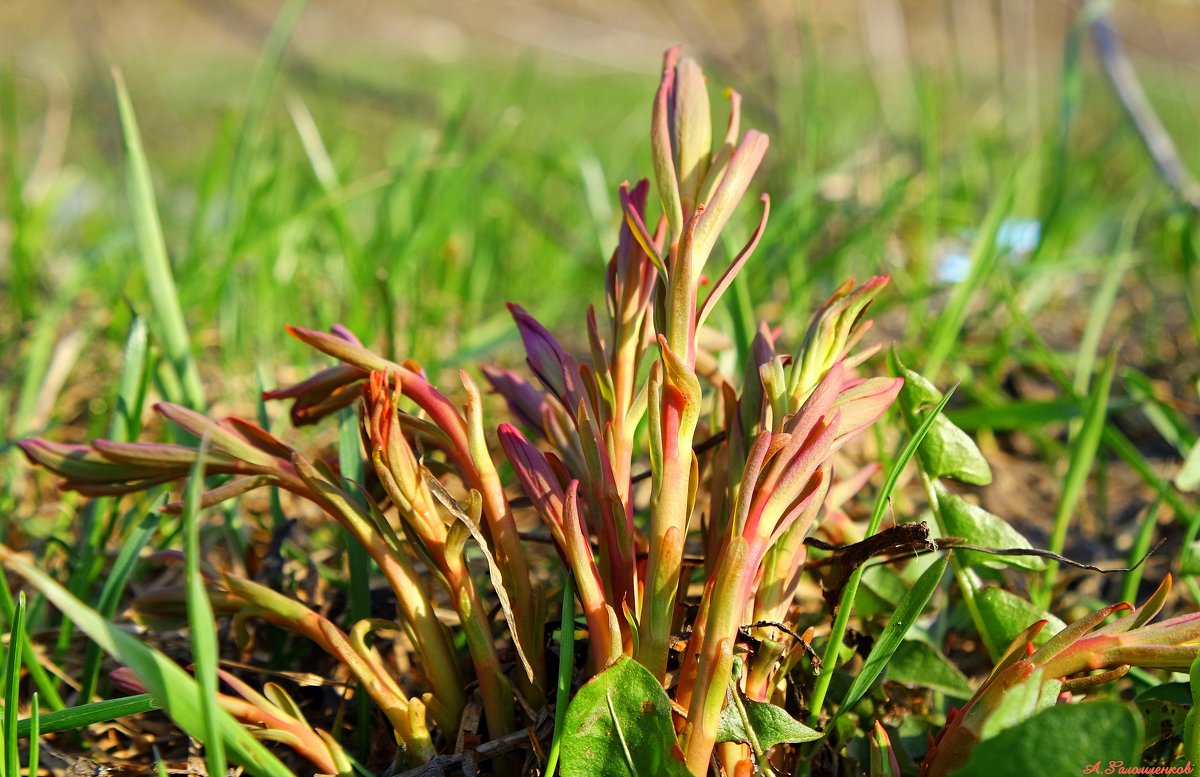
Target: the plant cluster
pixel 654 471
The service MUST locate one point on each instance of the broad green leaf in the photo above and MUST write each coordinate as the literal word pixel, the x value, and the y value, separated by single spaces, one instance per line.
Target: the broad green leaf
pixel 902 620
pixel 946 451
pixel 1172 693
pixel 1164 708
pixel 772 725
pixel 619 725
pixel 919 663
pixel 979 527
pixel 918 392
pixel 1061 740
pixel 1007 615
pixel 167 682
pixel 1191 725
pixel 949 452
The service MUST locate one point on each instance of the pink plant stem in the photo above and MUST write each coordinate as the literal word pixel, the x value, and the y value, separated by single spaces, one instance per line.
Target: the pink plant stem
pixel 708 682
pixel 668 525
pixel 432 640
pixel 445 415
pixel 303 740
pixel 368 670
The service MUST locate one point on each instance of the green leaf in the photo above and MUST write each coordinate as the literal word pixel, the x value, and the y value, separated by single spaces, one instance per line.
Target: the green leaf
pixel 906 614
pixel 772 725
pixel 12 682
pixel 919 389
pixel 881 589
pixel 850 591
pixel 919 663
pixel 1165 712
pixel 164 296
pixel 1015 415
pixel 1007 615
pixel 979 527
pixel 566 649
pixel 949 452
pixel 1172 693
pixel 1191 726
pixel 202 626
pixel 87 714
pixel 1063 739
pixel 619 725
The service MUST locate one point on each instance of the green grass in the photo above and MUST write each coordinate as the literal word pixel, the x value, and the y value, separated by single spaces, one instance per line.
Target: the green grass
pixel 168 270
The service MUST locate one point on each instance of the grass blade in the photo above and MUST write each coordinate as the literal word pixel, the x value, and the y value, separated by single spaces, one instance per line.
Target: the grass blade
pixel 906 614
pixel 850 590
pixel 350 461
pixel 260 92
pixel 1100 311
pixel 41 678
pixel 124 426
pixel 1141 546
pixel 114 587
pixel 983 259
pixel 566 662
pixel 174 688
pixel 1014 416
pixel 201 622
pixel 164 295
pixel 35 734
pixel 86 714
pixel 1083 454
pixel 12 682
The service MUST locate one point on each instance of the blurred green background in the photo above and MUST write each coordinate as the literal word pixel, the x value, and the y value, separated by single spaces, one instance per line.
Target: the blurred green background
pixel 405 168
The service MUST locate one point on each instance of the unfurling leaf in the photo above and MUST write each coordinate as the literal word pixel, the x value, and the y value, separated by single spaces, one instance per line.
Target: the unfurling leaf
pixel 883 755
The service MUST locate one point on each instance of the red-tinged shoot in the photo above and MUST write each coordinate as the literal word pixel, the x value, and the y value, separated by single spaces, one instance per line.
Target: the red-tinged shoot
pixel 1081 656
